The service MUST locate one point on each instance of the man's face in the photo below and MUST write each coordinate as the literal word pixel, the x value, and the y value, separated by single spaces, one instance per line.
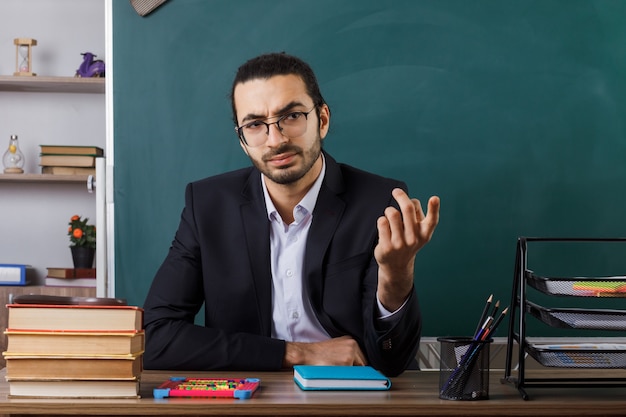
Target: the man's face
pixel 282 159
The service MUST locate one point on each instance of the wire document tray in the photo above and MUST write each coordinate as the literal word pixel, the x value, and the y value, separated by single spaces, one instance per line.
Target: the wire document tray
pixel 566 355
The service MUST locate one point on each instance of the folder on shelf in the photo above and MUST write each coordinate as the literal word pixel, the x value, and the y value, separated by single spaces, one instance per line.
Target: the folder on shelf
pixel 15 274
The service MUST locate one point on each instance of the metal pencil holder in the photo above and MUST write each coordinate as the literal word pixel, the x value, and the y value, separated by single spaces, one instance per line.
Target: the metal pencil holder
pixel 464 368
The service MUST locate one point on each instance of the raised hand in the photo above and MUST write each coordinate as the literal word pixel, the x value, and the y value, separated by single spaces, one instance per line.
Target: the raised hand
pixel 401 234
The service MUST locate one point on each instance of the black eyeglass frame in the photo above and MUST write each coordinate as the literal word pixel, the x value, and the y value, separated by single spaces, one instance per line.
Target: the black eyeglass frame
pixel 239 129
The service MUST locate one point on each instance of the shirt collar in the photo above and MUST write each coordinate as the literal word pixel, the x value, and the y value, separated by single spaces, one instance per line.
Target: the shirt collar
pixel 307 202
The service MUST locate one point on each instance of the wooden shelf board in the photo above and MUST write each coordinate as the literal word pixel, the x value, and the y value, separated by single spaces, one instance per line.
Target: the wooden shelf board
pixel 39 84
pixel 43 178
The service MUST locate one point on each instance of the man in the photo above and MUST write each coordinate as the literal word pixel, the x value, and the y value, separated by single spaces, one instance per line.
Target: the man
pixel 298 259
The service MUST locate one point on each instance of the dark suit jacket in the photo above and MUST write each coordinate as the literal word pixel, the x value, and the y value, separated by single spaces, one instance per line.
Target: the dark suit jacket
pixel 221 257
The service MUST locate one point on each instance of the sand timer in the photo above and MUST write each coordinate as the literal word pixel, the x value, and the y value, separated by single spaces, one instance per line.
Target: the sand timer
pixel 24 56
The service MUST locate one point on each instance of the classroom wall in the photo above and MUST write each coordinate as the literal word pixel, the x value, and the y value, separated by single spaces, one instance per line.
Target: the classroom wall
pixel 511 112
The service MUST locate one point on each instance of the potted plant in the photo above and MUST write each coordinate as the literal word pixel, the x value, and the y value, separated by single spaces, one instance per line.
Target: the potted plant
pixel 82 241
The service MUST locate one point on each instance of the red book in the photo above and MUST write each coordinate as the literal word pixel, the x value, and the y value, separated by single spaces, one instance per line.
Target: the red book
pixel 71 272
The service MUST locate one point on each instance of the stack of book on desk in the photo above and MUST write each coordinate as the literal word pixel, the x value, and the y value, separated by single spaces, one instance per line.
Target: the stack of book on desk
pixel 74 351
pixel 70 277
pixel 69 160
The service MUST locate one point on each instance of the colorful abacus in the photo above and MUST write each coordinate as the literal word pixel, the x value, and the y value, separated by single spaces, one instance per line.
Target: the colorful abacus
pixel 207 387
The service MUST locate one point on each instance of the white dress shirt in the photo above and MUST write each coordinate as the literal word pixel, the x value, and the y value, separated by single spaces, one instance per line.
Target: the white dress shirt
pixel 293 318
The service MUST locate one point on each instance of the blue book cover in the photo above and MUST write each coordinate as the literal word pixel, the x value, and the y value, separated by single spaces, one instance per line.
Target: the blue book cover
pixel 312 377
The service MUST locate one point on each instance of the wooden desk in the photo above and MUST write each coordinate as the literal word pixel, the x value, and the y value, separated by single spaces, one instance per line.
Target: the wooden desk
pixel 413 393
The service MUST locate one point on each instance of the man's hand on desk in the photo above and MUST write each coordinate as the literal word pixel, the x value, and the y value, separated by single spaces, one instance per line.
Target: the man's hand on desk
pixel 338 351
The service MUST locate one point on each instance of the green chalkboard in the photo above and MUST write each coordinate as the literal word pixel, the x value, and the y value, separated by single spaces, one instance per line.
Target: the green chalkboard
pixel 513 112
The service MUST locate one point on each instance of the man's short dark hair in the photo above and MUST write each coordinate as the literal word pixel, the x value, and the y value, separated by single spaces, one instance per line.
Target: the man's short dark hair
pixel 268 65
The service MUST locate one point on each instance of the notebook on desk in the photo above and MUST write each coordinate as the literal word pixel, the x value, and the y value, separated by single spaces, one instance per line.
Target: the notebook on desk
pixel 311 377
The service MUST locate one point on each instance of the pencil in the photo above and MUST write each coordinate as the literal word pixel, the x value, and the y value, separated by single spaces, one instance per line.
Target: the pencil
pixel 484 330
pixel 495 309
pixel 495 325
pixel 483 316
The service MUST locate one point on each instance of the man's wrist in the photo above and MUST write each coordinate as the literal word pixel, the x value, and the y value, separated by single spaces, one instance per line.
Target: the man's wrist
pixel 294 354
pixel 393 299
pixel 384 313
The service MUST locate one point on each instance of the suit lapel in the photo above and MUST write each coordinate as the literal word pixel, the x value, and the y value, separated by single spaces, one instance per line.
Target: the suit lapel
pixel 256 229
pixel 328 211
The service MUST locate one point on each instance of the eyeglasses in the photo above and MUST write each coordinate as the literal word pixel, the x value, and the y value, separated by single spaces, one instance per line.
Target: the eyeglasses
pixel 290 125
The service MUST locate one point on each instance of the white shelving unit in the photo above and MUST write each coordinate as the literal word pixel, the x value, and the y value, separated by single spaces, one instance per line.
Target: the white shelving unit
pixel 53 107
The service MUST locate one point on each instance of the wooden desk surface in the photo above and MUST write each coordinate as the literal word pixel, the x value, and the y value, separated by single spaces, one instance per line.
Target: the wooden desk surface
pixel 413 393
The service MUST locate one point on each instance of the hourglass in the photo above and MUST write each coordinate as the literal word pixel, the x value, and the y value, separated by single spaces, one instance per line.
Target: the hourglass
pixel 23 56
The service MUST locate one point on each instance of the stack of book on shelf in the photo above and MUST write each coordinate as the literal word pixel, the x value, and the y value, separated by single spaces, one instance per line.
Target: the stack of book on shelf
pixel 69 160
pixel 87 350
pixel 71 277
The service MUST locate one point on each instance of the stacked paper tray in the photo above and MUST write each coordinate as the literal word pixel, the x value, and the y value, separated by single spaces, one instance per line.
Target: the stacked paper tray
pixel 578 318
pixel 579 286
pixel 599 355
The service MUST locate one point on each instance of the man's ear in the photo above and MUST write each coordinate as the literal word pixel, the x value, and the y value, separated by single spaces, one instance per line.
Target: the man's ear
pixel 241 143
pixel 324 120
pixel 244 147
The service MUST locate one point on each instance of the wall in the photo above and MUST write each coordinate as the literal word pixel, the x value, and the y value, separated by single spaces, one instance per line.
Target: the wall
pixel 511 112
pixel 35 217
